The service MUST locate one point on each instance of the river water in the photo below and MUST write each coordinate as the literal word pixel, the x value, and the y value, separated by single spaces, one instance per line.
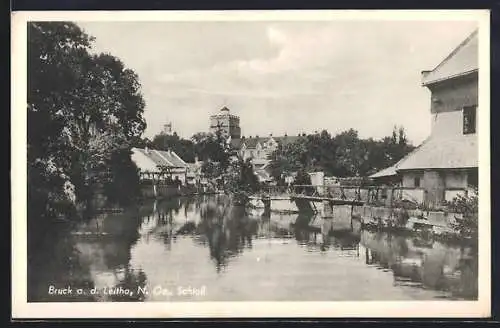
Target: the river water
pixel 181 250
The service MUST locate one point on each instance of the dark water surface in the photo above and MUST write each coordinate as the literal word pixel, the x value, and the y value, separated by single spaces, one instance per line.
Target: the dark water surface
pixel 180 250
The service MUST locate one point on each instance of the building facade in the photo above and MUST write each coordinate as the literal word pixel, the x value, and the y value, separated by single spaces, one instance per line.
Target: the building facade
pixel 259 149
pixel 446 163
pixel 226 122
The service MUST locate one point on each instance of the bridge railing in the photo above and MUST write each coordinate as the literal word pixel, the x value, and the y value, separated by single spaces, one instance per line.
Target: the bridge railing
pixel 375 195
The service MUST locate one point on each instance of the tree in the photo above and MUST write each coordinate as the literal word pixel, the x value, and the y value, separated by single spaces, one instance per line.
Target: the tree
pixel 343 155
pixel 289 158
pixel 240 180
pixel 84 112
pixel 349 154
pixel 213 147
pixel 105 118
pixel 183 148
pixel 54 50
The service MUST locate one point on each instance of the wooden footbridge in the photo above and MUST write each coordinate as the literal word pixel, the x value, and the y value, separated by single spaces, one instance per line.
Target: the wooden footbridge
pixel 335 195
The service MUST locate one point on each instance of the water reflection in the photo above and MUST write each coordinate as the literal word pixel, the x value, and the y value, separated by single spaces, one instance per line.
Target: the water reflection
pixel 426 263
pixel 201 241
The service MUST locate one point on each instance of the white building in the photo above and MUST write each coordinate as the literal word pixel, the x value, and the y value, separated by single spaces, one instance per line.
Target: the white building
pixel 446 163
pixel 158 165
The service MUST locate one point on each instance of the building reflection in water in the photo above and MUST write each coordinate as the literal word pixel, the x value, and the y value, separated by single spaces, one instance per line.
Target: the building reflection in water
pixel 424 263
pixel 227 232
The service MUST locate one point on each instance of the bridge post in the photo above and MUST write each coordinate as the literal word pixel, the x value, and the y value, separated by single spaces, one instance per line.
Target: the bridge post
pixel 327 209
pixel 327 217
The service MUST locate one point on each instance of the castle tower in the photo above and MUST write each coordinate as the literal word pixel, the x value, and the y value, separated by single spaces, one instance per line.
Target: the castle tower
pixel 229 124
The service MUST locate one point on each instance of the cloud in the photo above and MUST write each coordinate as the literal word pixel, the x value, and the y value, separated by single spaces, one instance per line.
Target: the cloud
pixel 284 76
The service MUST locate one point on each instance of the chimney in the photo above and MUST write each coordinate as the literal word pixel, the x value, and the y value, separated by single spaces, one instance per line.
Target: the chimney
pixel 146 150
pixel 196 159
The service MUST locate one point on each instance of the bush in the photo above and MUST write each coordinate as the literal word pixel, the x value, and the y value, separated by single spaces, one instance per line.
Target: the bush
pixel 465 226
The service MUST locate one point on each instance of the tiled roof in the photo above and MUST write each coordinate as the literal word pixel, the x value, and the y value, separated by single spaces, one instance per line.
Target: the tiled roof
pixel 286 140
pixel 150 159
pixel 143 161
pixel 387 172
pixel 463 60
pixel 443 153
pixel 438 153
pixel 252 142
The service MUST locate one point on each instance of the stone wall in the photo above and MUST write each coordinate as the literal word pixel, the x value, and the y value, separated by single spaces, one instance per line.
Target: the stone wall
pixel 369 214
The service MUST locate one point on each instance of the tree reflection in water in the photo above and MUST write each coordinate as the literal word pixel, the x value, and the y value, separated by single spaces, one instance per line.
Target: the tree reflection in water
pixel 227 229
pixel 130 280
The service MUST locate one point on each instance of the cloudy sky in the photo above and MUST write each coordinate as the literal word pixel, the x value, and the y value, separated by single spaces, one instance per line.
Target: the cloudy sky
pixel 284 77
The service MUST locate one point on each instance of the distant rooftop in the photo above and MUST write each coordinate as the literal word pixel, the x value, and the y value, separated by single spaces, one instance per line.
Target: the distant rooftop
pixel 463 60
pixel 251 142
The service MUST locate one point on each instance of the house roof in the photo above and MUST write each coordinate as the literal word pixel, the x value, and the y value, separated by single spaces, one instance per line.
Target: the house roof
pixel 252 142
pixel 387 172
pixel 438 153
pixel 286 140
pixel 461 61
pixel 151 158
pixel 443 153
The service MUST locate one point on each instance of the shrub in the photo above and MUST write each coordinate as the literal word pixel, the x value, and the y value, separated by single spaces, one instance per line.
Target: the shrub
pixel 466 225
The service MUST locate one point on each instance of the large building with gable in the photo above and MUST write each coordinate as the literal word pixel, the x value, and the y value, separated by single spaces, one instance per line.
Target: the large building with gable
pixel 446 163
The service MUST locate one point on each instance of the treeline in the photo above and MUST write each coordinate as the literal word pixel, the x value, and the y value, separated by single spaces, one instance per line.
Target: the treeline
pixel 202 146
pixel 84 112
pixel 342 155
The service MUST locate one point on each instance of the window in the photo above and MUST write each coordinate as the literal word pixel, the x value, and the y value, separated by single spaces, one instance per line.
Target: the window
pixel 416 182
pixel 469 120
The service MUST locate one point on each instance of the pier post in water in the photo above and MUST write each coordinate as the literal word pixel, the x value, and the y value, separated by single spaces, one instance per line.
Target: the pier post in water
pixel 327 217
